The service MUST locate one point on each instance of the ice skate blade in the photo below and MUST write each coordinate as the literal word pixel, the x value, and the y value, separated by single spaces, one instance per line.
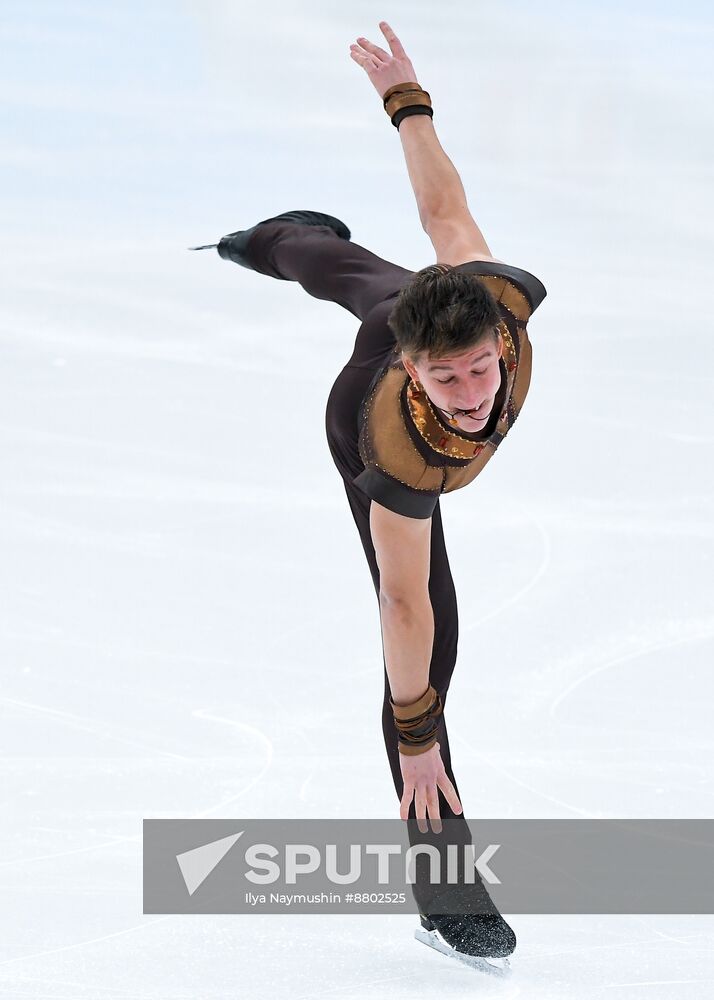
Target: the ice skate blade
pixel 491 966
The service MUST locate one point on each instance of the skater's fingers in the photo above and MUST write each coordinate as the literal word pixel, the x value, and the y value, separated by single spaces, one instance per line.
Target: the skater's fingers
pixel 432 805
pixel 375 50
pixel 407 796
pixel 449 791
pixel 363 58
pixel 394 44
pixel 420 808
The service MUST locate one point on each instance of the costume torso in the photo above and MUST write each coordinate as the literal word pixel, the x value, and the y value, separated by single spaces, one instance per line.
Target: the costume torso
pixel 410 453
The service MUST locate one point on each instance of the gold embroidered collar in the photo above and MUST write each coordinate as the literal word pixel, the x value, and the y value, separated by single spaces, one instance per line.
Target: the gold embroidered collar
pixel 450 442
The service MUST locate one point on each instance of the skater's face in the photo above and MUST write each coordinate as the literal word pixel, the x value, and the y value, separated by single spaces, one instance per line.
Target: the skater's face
pixel 463 382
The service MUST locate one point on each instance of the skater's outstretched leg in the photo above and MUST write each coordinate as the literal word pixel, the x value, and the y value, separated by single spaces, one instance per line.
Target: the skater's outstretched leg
pixel 315 250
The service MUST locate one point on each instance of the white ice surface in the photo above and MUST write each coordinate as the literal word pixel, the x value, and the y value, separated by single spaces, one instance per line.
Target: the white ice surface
pixel 179 583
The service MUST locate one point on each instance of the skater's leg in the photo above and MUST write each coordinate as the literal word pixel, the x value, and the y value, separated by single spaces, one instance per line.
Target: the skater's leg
pixel 342 434
pixel 441 591
pixel 326 266
pixel 484 932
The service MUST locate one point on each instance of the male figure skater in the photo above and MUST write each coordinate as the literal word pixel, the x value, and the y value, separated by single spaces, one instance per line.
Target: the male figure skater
pixel 440 369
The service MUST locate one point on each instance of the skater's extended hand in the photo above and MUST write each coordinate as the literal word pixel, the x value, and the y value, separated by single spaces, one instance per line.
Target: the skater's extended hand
pixel 423 775
pixel 384 70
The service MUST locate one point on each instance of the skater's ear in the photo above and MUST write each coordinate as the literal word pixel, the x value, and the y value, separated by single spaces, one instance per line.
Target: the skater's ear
pixel 409 367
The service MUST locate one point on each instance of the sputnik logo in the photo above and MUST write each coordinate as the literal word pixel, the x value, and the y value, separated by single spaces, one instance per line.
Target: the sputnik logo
pixel 197 864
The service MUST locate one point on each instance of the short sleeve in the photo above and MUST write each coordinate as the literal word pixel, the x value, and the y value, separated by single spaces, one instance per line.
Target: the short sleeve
pixel 389 492
pixel 525 283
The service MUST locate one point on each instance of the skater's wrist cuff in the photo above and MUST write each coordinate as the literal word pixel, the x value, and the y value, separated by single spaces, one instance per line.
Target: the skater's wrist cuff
pixel 416 723
pixel 405 99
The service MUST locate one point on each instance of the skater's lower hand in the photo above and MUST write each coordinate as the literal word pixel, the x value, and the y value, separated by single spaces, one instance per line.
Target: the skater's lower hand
pixel 383 69
pixel 423 775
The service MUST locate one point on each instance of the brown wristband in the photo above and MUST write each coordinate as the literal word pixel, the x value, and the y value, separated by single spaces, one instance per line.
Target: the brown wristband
pixel 416 723
pixel 405 99
pixel 399 88
pixel 412 751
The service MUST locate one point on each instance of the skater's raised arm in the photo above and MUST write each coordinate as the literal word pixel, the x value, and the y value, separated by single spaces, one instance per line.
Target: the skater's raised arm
pixel 439 193
pixel 441 199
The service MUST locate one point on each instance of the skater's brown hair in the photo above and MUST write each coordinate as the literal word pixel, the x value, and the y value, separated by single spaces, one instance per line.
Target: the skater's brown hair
pixel 441 312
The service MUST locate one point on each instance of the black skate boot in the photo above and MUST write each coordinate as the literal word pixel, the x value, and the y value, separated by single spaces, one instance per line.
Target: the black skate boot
pixel 233 246
pixel 481 939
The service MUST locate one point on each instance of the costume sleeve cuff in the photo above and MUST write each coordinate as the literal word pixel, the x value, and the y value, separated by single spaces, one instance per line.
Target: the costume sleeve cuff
pixel 394 495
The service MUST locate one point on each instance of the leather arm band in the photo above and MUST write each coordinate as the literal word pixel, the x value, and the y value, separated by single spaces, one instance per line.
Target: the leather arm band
pixel 405 99
pixel 416 723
